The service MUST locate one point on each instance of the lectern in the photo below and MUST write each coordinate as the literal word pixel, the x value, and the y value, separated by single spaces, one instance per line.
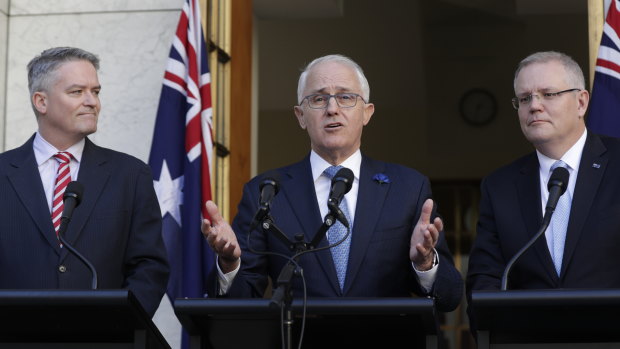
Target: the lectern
pixel 562 318
pixel 94 319
pixel 330 323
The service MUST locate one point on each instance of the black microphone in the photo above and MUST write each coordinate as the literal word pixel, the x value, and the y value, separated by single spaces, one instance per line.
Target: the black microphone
pixel 341 184
pixel 72 198
pixel 269 188
pixel 557 186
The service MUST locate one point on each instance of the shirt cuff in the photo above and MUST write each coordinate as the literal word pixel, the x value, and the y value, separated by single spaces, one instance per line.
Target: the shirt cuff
pixel 427 277
pixel 225 280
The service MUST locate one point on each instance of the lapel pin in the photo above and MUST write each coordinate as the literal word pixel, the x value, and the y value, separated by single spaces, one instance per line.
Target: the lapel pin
pixel 595 165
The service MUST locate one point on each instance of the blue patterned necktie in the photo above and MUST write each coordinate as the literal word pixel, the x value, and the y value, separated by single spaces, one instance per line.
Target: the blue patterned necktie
pixel 559 223
pixel 336 232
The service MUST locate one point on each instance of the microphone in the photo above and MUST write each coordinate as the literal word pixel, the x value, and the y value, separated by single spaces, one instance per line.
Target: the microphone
pixel 341 184
pixel 557 186
pixel 72 198
pixel 269 188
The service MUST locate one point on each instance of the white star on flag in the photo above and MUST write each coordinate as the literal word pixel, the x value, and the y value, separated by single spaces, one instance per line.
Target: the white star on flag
pixel 169 193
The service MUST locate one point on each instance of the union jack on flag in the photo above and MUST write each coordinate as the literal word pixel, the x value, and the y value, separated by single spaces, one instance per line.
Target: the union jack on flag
pixel 604 115
pixel 181 156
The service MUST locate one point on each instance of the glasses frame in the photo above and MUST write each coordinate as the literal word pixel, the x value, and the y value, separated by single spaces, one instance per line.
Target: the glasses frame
pixel 516 100
pixel 328 96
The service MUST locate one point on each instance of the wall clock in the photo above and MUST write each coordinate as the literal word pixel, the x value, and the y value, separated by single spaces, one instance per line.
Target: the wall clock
pixel 478 107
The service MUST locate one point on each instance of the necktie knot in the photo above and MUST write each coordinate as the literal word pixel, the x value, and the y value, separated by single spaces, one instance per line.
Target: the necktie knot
pixel 557 164
pixel 331 171
pixel 63 157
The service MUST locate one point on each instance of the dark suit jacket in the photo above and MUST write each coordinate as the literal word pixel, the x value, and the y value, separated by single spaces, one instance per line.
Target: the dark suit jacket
pixel 511 213
pixel 117 227
pixel 379 264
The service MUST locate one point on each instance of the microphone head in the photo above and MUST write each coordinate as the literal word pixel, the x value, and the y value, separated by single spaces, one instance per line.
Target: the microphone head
pixel 75 190
pixel 559 178
pixel 273 179
pixel 346 176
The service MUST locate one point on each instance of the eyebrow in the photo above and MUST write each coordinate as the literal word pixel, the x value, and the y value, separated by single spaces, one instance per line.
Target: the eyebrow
pixel 98 87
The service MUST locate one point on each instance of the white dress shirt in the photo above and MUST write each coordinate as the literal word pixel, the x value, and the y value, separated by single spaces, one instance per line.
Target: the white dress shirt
pixel 572 158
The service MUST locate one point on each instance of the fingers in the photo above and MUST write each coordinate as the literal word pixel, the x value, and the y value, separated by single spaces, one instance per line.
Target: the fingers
pixel 431 234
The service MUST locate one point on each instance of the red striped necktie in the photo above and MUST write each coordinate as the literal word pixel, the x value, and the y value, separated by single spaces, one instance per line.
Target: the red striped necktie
pixel 63 177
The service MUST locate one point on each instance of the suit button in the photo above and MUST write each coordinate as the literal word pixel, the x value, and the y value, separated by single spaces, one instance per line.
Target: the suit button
pixel 62 268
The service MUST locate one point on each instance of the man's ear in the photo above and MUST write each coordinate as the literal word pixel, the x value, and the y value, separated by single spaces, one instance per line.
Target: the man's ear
pixel 39 100
pixel 299 113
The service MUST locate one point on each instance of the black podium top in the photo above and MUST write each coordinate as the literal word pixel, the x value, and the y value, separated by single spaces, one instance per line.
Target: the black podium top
pixel 330 322
pixel 92 316
pixel 548 316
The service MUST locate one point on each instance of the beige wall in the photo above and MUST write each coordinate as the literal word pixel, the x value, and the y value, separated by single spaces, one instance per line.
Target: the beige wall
pixel 419 57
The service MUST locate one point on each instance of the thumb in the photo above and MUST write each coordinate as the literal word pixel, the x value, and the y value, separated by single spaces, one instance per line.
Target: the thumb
pixel 427 209
pixel 214 213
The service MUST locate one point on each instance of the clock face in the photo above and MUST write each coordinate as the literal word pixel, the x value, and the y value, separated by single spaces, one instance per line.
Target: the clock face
pixel 478 107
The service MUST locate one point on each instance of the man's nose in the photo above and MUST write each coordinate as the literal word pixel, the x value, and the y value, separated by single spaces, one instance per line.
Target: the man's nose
pixel 332 105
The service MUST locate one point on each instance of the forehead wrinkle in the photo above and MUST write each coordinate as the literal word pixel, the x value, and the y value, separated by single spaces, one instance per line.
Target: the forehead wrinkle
pixel 326 90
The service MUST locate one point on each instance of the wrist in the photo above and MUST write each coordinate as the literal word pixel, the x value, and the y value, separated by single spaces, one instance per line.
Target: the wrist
pixel 429 263
pixel 228 264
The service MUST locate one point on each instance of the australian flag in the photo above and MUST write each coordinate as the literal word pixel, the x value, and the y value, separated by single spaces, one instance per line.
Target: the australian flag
pixel 604 113
pixel 181 156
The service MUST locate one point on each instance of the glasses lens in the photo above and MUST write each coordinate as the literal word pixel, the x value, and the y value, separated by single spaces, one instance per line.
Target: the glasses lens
pixel 318 101
pixel 346 100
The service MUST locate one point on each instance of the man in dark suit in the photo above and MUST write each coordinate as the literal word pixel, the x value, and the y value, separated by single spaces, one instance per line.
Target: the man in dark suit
pixel 551 101
pixel 397 246
pixel 117 225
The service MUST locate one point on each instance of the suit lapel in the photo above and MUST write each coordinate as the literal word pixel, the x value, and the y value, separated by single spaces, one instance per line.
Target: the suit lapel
pixel 299 190
pixel 93 175
pixel 528 189
pixel 370 198
pixel 26 180
pixel 588 181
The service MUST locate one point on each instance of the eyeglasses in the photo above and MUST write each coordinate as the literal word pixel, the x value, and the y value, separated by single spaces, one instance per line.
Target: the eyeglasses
pixel 545 96
pixel 344 100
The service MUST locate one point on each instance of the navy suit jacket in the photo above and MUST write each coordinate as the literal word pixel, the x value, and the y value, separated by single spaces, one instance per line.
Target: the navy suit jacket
pixel 117 227
pixel 379 264
pixel 511 213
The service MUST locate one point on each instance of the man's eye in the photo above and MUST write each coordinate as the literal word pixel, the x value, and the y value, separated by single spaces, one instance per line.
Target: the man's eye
pixel 549 94
pixel 318 98
pixel 525 99
pixel 345 97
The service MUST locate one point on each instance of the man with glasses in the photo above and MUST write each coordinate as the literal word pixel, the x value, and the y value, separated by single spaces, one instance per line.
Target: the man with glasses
pixel 396 245
pixel 580 246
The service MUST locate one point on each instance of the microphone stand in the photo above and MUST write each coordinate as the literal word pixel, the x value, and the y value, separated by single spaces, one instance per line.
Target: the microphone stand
pixel 545 224
pixel 64 223
pixel 282 296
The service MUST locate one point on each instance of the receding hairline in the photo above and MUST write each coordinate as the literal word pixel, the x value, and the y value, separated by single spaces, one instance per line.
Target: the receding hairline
pixel 334 58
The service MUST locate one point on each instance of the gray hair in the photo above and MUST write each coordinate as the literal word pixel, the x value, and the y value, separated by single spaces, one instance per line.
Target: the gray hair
pixel 334 58
pixel 42 68
pixel 574 73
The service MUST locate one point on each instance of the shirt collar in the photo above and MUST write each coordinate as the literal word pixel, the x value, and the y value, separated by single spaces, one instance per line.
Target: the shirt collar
pixel 43 150
pixel 572 157
pixel 319 165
